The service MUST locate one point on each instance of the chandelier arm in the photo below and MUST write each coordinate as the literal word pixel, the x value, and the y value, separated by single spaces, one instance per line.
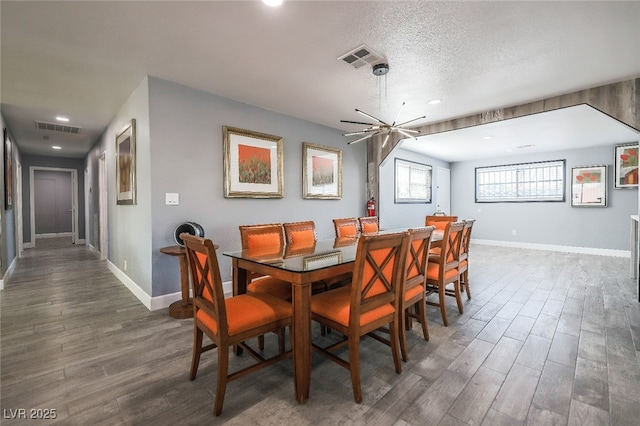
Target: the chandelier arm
pixel 406 134
pixel 372 117
pixel 386 138
pixel 410 121
pixel 358 122
pixel 406 130
pixel 397 115
pixel 363 138
pixel 360 132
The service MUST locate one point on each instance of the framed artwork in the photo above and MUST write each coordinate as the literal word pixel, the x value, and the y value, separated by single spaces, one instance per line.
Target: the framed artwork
pixel 626 166
pixel 8 170
pixel 253 164
pixel 126 164
pixel 589 186
pixel 321 172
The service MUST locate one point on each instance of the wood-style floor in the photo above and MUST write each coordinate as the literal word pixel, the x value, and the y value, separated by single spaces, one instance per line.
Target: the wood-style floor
pixel 548 338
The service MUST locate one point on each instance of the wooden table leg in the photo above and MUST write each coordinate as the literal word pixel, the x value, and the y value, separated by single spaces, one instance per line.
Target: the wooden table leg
pixel 302 340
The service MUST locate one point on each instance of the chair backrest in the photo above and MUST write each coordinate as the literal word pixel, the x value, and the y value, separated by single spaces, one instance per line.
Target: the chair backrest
pixel 466 239
pixel 302 234
pixel 261 236
pixel 346 227
pixel 417 257
pixel 378 273
pixel 439 221
pixel 208 294
pixel 450 246
pixel 369 225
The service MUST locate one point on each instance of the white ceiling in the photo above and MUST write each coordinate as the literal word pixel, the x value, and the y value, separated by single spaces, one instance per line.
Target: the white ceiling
pixel 83 59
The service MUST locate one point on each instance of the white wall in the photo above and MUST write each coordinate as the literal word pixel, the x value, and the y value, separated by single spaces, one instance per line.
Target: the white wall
pixel 548 223
pixel 404 215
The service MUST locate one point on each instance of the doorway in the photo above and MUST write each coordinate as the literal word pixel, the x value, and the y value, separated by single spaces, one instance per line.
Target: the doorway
pixel 443 190
pixel 102 202
pixel 53 203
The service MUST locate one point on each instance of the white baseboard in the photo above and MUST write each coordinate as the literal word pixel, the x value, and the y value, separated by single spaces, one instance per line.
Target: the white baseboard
pixel 551 247
pixel 28 245
pixel 158 302
pixel 8 273
pixel 54 235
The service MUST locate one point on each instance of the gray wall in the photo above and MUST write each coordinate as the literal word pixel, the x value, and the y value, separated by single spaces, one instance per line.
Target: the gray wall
pixel 548 223
pixel 52 162
pixel 7 227
pixel 404 215
pixel 187 158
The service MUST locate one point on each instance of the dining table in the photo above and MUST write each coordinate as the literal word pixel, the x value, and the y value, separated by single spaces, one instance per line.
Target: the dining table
pixel 301 266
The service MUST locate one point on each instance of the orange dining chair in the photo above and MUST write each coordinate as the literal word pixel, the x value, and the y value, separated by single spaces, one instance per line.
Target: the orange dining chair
pixel 369 224
pixel 463 269
pixel 265 239
pixel 414 288
pixel 231 321
pixel 346 227
pixel 443 270
pixel 439 221
pixel 372 301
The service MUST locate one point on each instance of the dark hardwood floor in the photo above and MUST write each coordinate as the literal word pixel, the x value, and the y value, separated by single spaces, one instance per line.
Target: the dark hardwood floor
pixel 548 338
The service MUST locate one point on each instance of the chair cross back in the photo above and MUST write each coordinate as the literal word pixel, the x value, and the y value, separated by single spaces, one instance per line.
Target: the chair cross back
pixel 417 256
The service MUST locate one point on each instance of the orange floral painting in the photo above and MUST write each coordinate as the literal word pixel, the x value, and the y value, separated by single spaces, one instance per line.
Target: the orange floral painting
pixel 254 164
pixel 322 171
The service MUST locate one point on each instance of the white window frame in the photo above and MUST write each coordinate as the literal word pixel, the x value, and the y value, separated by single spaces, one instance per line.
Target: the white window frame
pixel 418 169
pixel 542 181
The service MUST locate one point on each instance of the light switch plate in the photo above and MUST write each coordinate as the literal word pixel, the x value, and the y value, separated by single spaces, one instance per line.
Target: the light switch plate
pixel 171 199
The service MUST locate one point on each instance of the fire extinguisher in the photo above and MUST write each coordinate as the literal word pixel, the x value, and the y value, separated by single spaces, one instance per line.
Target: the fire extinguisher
pixel 371 207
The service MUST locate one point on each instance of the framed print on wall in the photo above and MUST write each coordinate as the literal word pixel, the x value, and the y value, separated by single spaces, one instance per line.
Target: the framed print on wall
pixel 253 164
pixel 321 172
pixel 589 186
pixel 126 164
pixel 626 166
pixel 8 170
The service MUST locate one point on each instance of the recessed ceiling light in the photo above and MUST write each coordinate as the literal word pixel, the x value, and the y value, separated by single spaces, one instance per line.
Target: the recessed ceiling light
pixel 509 150
pixel 56 147
pixel 64 119
pixel 487 137
pixel 434 101
pixel 273 3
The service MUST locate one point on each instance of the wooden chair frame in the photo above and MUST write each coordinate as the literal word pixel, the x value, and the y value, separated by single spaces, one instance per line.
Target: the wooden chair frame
pixel 205 276
pixel 463 269
pixel 416 276
pixel 447 261
pixel 361 303
pixel 292 227
pixel 363 221
pixel 429 220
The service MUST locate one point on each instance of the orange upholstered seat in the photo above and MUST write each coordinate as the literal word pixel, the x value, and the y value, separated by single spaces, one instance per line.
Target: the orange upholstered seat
pixel 369 225
pixel 369 303
pixel 346 227
pixel 439 221
pixel 443 269
pixel 228 322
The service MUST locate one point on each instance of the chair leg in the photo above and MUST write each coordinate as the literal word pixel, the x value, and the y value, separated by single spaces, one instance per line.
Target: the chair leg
pixel 403 334
pixel 466 283
pixel 197 350
pixel 221 385
pixel 354 368
pixel 443 306
pixel 456 290
pixel 261 342
pixel 280 333
pixel 422 311
pixel 393 334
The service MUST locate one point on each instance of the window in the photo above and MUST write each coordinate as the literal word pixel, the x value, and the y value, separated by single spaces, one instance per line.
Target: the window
pixel 543 181
pixel 413 182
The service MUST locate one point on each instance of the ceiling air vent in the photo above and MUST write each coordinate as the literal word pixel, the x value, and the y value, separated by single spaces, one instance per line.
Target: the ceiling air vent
pixel 55 127
pixel 361 56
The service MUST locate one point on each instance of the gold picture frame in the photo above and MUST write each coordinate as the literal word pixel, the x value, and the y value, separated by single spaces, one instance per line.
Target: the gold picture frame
pixel 322 260
pixel 126 165
pixel 253 164
pixel 321 172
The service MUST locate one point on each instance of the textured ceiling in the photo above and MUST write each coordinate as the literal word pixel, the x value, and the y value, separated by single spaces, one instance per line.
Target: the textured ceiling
pixel 83 59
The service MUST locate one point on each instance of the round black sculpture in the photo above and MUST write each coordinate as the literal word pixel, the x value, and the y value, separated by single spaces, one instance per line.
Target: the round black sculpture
pixel 191 228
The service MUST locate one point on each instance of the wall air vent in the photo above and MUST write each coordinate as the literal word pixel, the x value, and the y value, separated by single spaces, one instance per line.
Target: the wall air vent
pixel 55 127
pixel 360 56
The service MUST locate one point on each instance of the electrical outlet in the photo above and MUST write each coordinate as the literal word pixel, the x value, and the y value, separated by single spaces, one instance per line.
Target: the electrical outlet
pixel 125 265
